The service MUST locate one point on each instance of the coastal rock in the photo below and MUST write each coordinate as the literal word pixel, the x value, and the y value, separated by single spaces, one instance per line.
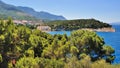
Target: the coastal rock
pixel 100 29
pixel 44 28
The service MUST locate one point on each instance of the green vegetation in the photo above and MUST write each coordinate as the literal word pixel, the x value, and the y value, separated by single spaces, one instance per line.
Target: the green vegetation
pixel 0 58
pixel 77 24
pixel 22 47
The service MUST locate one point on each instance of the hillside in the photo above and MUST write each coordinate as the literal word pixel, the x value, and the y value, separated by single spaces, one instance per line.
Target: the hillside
pixel 7 10
pixel 41 15
pixel 26 13
pixel 77 24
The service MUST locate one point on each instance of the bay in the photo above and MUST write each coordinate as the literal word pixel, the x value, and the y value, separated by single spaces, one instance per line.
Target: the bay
pixel 110 38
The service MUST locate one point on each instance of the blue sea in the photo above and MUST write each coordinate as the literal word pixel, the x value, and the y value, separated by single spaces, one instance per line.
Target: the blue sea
pixel 110 38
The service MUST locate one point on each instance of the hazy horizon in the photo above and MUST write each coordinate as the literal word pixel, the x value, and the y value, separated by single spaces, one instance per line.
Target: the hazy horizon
pixel 103 10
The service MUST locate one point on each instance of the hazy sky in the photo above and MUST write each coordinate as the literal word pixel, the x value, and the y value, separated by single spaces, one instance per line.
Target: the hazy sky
pixel 104 10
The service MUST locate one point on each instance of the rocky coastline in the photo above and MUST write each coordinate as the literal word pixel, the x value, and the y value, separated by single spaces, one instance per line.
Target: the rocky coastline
pixel 108 29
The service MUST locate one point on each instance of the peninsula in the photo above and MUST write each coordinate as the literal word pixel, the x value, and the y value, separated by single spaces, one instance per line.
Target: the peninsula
pixel 83 24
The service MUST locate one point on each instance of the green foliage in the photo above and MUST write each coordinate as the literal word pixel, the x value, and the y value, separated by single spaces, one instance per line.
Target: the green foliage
pixel 27 62
pixel 1 58
pixel 36 49
pixel 29 53
pixel 91 44
pixel 50 63
pixel 108 50
pixel 72 63
pixel 77 24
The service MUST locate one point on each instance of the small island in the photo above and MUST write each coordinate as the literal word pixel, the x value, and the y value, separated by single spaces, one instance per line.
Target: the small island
pixel 83 24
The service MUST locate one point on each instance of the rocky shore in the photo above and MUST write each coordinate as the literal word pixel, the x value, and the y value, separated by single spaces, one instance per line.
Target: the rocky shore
pixel 109 29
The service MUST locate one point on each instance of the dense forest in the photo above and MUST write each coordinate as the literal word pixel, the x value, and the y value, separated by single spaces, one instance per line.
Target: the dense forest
pixel 77 24
pixel 22 47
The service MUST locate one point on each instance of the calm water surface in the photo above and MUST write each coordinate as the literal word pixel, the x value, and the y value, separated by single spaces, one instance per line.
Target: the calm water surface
pixel 111 38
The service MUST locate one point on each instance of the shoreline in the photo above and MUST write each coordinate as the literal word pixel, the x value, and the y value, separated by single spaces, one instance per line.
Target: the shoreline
pixel 109 29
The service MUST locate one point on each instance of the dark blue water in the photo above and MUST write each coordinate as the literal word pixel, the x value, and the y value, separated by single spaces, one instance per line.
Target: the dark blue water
pixel 110 38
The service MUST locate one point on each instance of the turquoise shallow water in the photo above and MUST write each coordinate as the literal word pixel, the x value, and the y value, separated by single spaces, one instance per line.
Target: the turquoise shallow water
pixel 111 38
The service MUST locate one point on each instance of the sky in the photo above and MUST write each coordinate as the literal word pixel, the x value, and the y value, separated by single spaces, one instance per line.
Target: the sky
pixel 104 10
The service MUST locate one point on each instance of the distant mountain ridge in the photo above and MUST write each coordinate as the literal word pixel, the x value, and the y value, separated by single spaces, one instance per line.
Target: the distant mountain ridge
pixel 42 14
pixel 19 12
pixel 7 10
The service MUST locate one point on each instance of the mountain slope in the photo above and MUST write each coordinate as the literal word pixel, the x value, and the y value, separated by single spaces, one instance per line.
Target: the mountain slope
pixel 7 10
pixel 25 13
pixel 41 15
